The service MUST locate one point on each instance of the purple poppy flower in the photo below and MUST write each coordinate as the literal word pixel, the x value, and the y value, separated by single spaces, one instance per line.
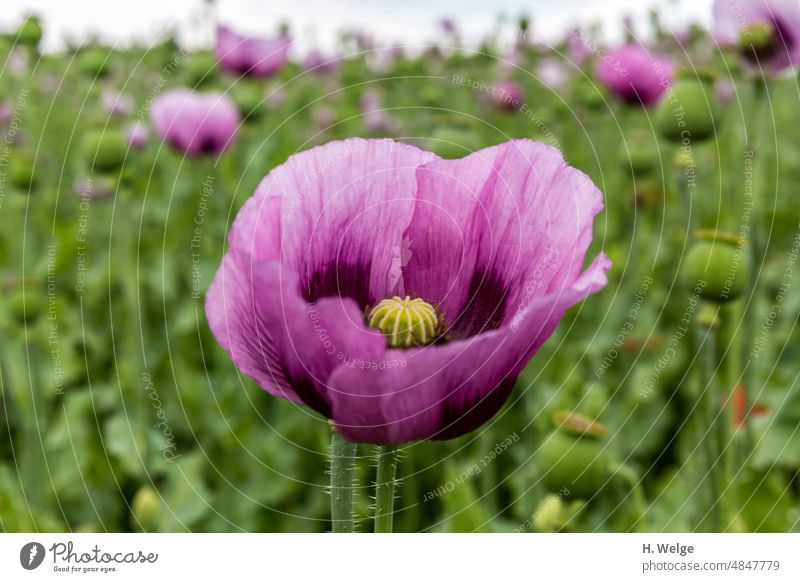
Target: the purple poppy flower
pixel 137 135
pixel 494 243
pixel 195 123
pixel 778 19
pixel 507 95
pixel 250 55
pixel 635 75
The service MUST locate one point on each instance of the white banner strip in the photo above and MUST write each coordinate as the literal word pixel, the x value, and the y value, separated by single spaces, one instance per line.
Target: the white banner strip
pixel 401 557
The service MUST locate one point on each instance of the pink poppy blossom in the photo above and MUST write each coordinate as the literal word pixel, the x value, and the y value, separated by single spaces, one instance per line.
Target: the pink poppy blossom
pixel 781 19
pixel 337 229
pixel 195 123
pixel 137 135
pixel 251 55
pixel 635 75
pixel 507 95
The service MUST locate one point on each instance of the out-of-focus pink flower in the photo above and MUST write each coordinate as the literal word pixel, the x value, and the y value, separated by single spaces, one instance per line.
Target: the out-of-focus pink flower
pixel 724 89
pixel 375 118
pixel 323 116
pixel 317 62
pixel 6 111
pixel 116 103
pixel 251 55
pixel 448 25
pixel 137 135
pixel 17 62
pixel 507 95
pixel 577 51
pixel 635 75
pixel 552 73
pixel 779 20
pixel 195 123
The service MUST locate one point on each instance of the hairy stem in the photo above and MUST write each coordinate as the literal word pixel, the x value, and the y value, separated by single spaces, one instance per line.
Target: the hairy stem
pixel 385 483
pixel 343 454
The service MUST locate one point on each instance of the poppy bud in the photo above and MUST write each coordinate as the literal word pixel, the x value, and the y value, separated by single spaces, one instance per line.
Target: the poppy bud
pixel 22 170
pixel 105 150
pixel 686 113
pixel 201 68
pixel 758 41
pixel 94 62
pixel 249 100
pixel 639 153
pixel 573 456
pixel 716 267
pixel 554 514
pixel 30 32
pixel 25 305
pixel 146 507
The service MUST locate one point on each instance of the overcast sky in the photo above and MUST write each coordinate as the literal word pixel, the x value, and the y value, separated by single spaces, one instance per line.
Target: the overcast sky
pixel 315 22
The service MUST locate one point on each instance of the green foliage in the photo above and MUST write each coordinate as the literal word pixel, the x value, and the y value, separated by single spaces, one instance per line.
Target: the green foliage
pixel 120 412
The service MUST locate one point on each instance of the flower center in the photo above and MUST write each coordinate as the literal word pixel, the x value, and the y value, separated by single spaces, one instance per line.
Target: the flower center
pixel 406 322
pixel 759 40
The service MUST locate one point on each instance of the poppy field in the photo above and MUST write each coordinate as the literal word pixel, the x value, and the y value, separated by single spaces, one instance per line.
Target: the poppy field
pixel 509 286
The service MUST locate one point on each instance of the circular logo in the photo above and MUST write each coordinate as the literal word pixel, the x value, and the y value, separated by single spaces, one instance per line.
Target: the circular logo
pixel 31 555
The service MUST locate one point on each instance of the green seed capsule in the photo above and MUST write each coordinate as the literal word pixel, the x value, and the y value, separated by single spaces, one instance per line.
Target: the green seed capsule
pixel 105 150
pixel 30 32
pixel 716 269
pixel 639 153
pixel 686 113
pixel 406 322
pixel 573 456
pixel 201 68
pixel 22 171
pixel 576 463
pixel 146 507
pixel 94 62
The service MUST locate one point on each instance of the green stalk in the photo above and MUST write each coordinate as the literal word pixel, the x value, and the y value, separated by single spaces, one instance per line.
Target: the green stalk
pixel 343 455
pixel 756 248
pixel 706 328
pixel 385 482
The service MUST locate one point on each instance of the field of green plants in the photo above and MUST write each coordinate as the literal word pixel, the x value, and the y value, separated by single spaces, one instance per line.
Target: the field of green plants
pixel 121 412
